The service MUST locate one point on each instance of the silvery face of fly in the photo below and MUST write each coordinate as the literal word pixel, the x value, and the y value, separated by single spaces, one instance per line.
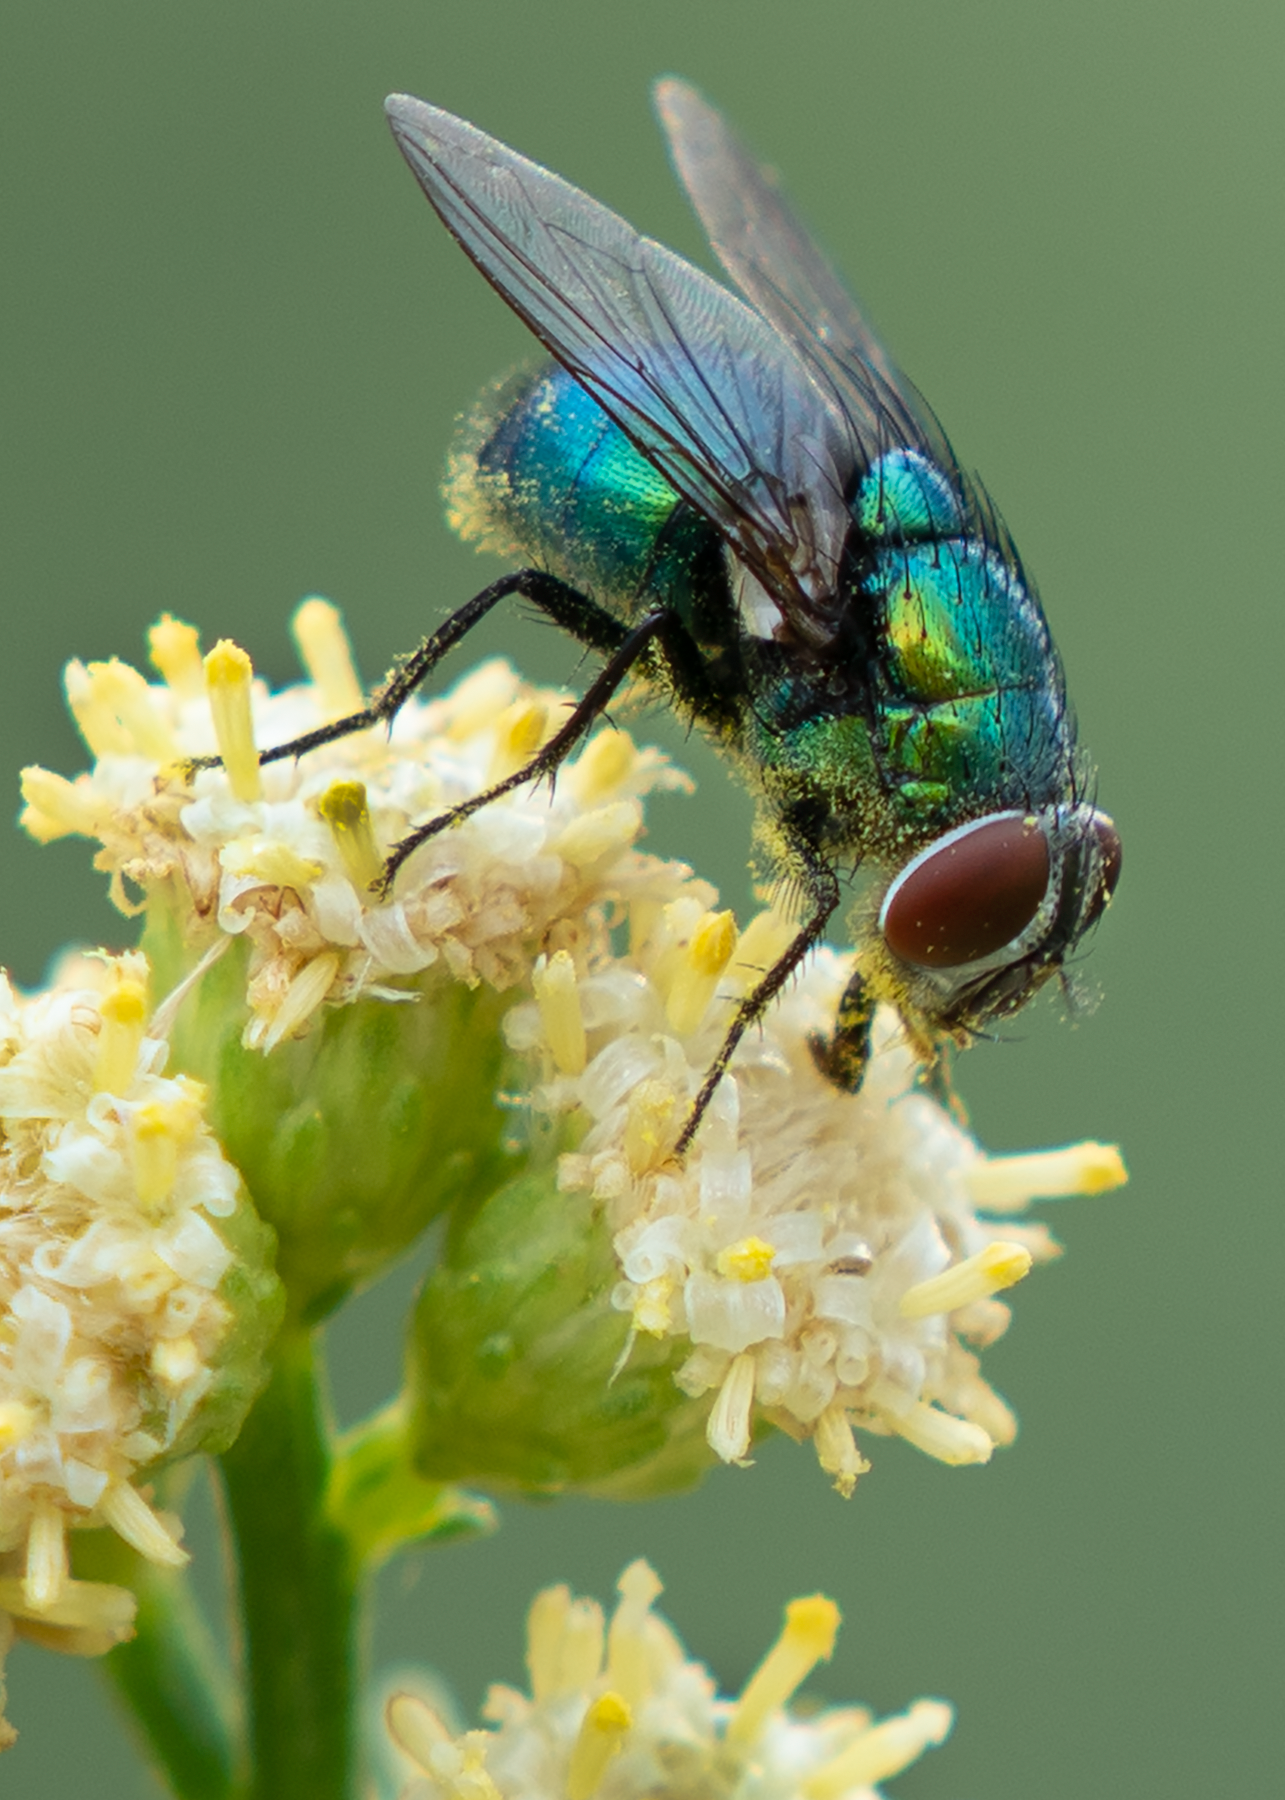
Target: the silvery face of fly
pixel 736 497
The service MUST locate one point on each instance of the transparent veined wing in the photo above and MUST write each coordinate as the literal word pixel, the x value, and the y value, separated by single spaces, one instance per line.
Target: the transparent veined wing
pixel 777 265
pixel 711 393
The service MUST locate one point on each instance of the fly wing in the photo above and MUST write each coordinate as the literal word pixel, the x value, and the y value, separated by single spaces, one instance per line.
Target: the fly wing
pixel 723 406
pixel 772 258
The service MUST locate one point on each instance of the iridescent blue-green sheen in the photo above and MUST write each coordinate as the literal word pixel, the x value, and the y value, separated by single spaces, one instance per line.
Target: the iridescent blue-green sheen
pixel 552 470
pixel 958 702
pixel 973 700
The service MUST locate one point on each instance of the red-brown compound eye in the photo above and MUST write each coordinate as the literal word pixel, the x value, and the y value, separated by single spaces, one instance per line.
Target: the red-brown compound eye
pixel 969 894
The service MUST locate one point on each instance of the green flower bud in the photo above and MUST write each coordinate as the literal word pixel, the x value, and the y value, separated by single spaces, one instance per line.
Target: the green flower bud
pixel 518 1375
pixel 357 1136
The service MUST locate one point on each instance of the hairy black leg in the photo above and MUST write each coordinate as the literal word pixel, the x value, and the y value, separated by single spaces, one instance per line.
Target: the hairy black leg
pixel 590 623
pixel 823 891
pixel 633 643
pixel 842 1057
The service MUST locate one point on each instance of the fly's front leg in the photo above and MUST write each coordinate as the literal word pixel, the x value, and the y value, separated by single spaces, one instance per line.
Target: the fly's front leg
pixel 531 584
pixel 823 892
pixel 842 1057
pixel 630 647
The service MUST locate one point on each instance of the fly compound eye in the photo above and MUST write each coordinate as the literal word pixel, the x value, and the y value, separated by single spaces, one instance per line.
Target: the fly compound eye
pixel 969 894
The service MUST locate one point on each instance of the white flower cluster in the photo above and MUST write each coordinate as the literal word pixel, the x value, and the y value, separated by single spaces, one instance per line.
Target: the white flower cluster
pixel 286 854
pixel 827 1259
pixel 618 1711
pixel 111 1261
pixel 826 1256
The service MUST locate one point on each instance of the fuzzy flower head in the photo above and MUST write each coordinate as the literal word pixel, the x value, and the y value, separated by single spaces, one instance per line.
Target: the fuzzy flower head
pixel 617 1711
pixel 285 855
pixel 136 1292
pixel 819 1261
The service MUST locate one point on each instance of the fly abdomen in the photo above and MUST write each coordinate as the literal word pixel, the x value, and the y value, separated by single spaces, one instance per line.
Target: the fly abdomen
pixel 540 473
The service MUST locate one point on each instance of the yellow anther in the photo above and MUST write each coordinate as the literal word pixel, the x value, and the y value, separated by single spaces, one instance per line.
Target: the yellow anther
pixel 651 1125
pixel 343 807
pixel 996 1267
pixel 175 650
pixel 17 1421
pixel 557 995
pixel 1009 1183
pixel 653 1310
pixel 748 1260
pixel 882 1752
pixel 326 654
pixel 940 1435
pixel 123 1011
pixel 96 721
pixel 607 761
pixel 302 998
pixel 519 732
pixel 125 694
pixel 155 1148
pixel 601 1739
pixel 808 1638
pixel 228 677
pixel 415 1728
pixel 57 807
pixel 709 950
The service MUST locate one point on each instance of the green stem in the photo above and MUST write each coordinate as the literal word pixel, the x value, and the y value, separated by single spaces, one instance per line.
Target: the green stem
pixel 299 1589
pixel 171 1675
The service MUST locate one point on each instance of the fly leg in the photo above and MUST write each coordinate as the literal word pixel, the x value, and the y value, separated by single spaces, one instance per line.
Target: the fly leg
pixel 632 644
pixel 591 624
pixel 822 888
pixel 842 1057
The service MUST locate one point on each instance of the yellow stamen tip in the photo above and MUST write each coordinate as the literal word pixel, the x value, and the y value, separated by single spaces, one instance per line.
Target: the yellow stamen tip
pixel 599 1741
pixel 996 1267
pixel 1010 1183
pixel 748 1260
pixel 813 1622
pixel 708 952
pixel 343 807
pixel 807 1639
pixel 123 1011
pixel 175 650
pixel 228 676
pixel 518 735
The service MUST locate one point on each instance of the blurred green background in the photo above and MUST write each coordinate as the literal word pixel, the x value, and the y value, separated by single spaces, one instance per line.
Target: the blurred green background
pixel 234 339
